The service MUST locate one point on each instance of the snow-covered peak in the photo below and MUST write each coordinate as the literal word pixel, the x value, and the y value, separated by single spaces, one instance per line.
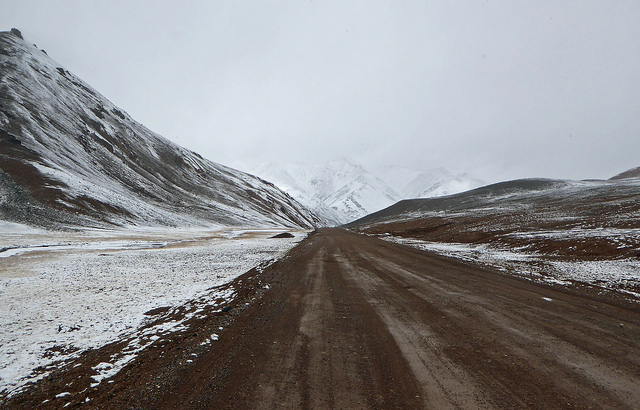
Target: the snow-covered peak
pixel 412 183
pixel 341 190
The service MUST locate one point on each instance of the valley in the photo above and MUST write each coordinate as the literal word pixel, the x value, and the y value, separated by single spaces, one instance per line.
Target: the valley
pixel 350 321
pixel 134 273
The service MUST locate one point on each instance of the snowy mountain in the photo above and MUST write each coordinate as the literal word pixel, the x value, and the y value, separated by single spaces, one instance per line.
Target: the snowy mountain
pixel 338 191
pixel 341 191
pixel 588 220
pixel 412 183
pixel 351 190
pixel 582 234
pixel 69 157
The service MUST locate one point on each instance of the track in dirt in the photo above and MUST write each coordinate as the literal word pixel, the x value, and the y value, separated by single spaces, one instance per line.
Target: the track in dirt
pixel 351 321
pixel 355 322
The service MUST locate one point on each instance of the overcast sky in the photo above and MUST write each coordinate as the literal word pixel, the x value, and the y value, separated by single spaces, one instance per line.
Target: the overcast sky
pixel 499 89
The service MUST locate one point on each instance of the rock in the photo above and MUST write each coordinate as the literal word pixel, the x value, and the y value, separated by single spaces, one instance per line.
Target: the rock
pixel 283 235
pixel 17 33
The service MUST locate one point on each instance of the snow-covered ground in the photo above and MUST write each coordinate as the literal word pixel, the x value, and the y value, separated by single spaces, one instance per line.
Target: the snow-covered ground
pixel 621 275
pixel 64 292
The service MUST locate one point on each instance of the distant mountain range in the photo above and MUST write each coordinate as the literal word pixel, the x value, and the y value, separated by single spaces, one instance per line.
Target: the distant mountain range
pixel 341 190
pixel 70 158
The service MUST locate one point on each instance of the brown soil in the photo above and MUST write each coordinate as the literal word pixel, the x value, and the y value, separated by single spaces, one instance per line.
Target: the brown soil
pixel 514 231
pixel 351 321
pixel 550 219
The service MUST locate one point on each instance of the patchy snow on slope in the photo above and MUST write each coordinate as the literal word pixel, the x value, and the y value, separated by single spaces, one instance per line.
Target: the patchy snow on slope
pixel 11 228
pixel 621 275
pixel 624 272
pixel 98 167
pixel 68 292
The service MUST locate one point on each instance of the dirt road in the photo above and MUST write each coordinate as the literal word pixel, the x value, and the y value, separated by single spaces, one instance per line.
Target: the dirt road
pixel 351 321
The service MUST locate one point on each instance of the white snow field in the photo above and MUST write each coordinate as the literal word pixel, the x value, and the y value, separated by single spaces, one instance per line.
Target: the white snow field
pixel 62 293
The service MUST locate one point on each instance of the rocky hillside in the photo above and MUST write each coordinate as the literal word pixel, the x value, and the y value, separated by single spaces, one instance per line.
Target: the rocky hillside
pixel 559 218
pixel 69 157
pixel 631 173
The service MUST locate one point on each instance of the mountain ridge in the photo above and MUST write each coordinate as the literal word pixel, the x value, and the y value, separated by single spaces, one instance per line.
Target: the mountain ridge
pixel 630 173
pixel 341 190
pixel 72 158
pixel 577 220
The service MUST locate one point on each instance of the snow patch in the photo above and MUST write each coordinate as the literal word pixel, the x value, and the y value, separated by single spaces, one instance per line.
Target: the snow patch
pixel 619 275
pixel 63 300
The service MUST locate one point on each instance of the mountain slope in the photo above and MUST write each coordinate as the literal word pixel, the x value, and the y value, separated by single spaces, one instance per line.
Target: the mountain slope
pixel 352 191
pixel 581 235
pixel 338 191
pixel 341 191
pixel 631 173
pixel 68 156
pixel 411 183
pixel 568 219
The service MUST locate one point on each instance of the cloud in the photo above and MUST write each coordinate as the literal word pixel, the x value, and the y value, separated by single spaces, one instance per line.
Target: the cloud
pixel 500 89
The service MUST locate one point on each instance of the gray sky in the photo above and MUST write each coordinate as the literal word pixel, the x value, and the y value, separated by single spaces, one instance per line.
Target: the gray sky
pixel 499 89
